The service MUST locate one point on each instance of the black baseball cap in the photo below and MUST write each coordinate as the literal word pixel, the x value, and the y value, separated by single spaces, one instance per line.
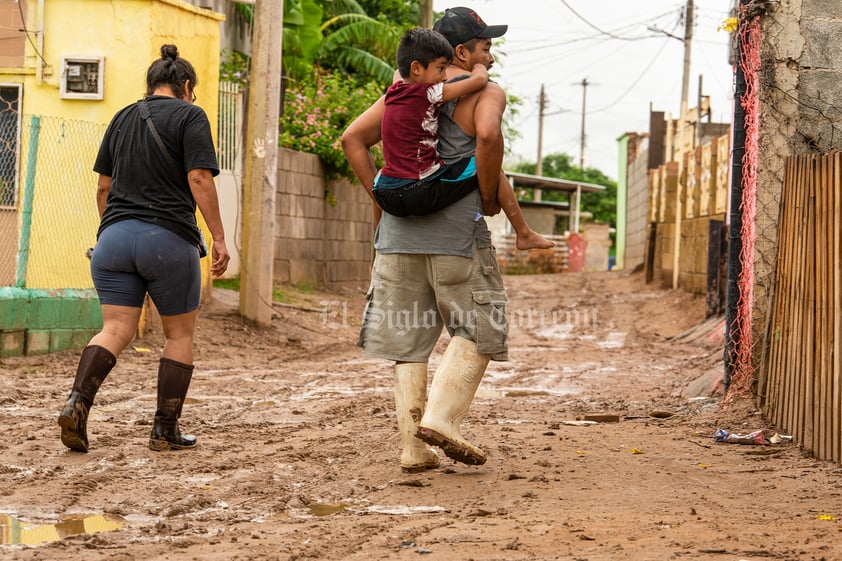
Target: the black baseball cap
pixel 461 24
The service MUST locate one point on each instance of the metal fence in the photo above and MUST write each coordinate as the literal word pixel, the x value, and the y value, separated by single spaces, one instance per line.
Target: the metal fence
pixel 48 214
pixel 230 126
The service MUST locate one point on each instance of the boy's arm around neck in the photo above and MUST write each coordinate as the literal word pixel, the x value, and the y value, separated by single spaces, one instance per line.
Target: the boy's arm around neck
pixel 475 82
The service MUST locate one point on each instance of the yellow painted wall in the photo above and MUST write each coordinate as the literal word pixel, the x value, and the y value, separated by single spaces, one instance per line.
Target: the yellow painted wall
pixel 128 34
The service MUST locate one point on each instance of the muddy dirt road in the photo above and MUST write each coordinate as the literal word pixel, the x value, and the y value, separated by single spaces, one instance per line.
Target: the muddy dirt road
pixel 298 447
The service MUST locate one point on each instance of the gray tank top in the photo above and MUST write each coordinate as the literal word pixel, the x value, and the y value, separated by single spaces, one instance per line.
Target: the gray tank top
pixel 450 231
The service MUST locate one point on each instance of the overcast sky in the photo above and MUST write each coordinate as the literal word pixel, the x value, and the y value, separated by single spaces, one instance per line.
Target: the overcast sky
pixel 627 68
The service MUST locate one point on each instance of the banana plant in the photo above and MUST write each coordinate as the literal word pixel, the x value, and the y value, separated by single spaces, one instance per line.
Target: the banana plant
pixel 359 44
pixel 334 34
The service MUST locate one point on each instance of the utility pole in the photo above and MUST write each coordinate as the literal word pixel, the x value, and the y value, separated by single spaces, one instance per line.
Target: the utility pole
pixel 584 112
pixel 688 41
pixel 542 103
pixel 698 139
pixel 426 9
pixel 261 164
pixel 576 198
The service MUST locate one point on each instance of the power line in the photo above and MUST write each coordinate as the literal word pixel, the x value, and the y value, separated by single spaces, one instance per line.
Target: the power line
pixel 525 118
pixel 636 81
pixel 25 30
pixel 534 45
pixel 589 24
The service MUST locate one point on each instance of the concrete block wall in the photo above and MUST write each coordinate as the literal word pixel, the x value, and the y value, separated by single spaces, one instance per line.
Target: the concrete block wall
pixel 598 238
pixel 323 230
pixel 348 234
pixel 800 111
pixel 693 259
pixel 698 181
pixel 662 255
pixel 637 200
pixel 45 321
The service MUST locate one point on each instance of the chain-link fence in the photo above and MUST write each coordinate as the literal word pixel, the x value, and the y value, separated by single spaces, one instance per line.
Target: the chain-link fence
pixel 801 114
pixel 48 214
pixel 9 159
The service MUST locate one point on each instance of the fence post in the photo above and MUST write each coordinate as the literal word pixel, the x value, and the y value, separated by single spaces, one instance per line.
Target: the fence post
pixel 28 192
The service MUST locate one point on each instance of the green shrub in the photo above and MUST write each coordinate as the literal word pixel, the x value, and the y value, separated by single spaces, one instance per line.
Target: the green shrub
pixel 234 67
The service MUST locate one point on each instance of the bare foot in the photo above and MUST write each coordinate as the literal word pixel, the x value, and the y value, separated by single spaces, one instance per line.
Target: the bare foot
pixel 533 240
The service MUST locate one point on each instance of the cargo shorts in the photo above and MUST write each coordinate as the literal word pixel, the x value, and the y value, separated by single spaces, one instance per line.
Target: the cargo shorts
pixel 413 296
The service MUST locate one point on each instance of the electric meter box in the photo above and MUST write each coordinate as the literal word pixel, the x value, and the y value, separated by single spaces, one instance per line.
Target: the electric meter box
pixel 81 77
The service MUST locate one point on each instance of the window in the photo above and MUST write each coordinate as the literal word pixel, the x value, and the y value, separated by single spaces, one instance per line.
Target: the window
pixel 9 143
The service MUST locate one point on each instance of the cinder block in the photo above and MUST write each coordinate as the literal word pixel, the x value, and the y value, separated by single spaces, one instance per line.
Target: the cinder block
pixel 90 312
pixel 37 342
pixel 292 228
pixel 281 271
pixel 298 206
pixel 285 156
pixel 61 340
pixel 283 204
pixel 81 337
pixel 305 271
pixel 12 342
pixel 307 164
pixel 313 229
pixel 44 310
pixel 14 306
pixel 335 230
pixel 348 271
pixel 284 248
pixel 310 250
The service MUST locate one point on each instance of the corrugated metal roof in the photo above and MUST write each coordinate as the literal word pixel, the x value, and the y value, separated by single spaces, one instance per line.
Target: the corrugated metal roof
pixel 550 183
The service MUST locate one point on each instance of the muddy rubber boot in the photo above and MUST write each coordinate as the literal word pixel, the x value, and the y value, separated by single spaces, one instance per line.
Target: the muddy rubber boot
pixel 410 395
pixel 173 381
pixel 94 365
pixel 451 392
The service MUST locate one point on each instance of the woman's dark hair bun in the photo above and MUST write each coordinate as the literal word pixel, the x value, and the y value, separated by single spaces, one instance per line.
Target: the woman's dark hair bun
pixel 169 51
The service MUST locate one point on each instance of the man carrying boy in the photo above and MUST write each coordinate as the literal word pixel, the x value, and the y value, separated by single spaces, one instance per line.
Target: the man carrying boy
pixel 415 181
pixel 441 265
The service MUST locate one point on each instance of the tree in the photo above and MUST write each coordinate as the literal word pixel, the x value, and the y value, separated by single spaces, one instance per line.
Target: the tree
pixel 402 13
pixel 357 43
pixel 339 34
pixel 302 36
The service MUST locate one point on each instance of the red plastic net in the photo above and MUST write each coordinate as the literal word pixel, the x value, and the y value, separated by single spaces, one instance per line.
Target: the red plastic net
pixel 742 371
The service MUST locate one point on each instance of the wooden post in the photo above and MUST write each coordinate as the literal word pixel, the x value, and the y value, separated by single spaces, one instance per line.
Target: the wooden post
pixel 426 15
pixel 679 191
pixel 835 426
pixel 713 301
pixel 261 164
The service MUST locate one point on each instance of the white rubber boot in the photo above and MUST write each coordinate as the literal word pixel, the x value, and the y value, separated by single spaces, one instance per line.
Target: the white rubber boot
pixel 410 395
pixel 452 390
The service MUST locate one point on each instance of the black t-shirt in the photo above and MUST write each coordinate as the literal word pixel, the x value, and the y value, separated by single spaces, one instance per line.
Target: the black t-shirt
pixel 143 182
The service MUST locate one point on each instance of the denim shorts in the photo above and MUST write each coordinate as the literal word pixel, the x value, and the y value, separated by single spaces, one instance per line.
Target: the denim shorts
pixel 429 195
pixel 133 258
pixel 423 197
pixel 413 296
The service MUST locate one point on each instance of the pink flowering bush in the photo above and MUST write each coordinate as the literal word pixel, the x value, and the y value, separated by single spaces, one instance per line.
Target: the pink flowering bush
pixel 318 109
pixel 234 67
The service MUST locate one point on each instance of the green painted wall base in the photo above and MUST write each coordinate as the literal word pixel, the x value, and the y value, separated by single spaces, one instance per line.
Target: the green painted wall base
pixel 36 321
